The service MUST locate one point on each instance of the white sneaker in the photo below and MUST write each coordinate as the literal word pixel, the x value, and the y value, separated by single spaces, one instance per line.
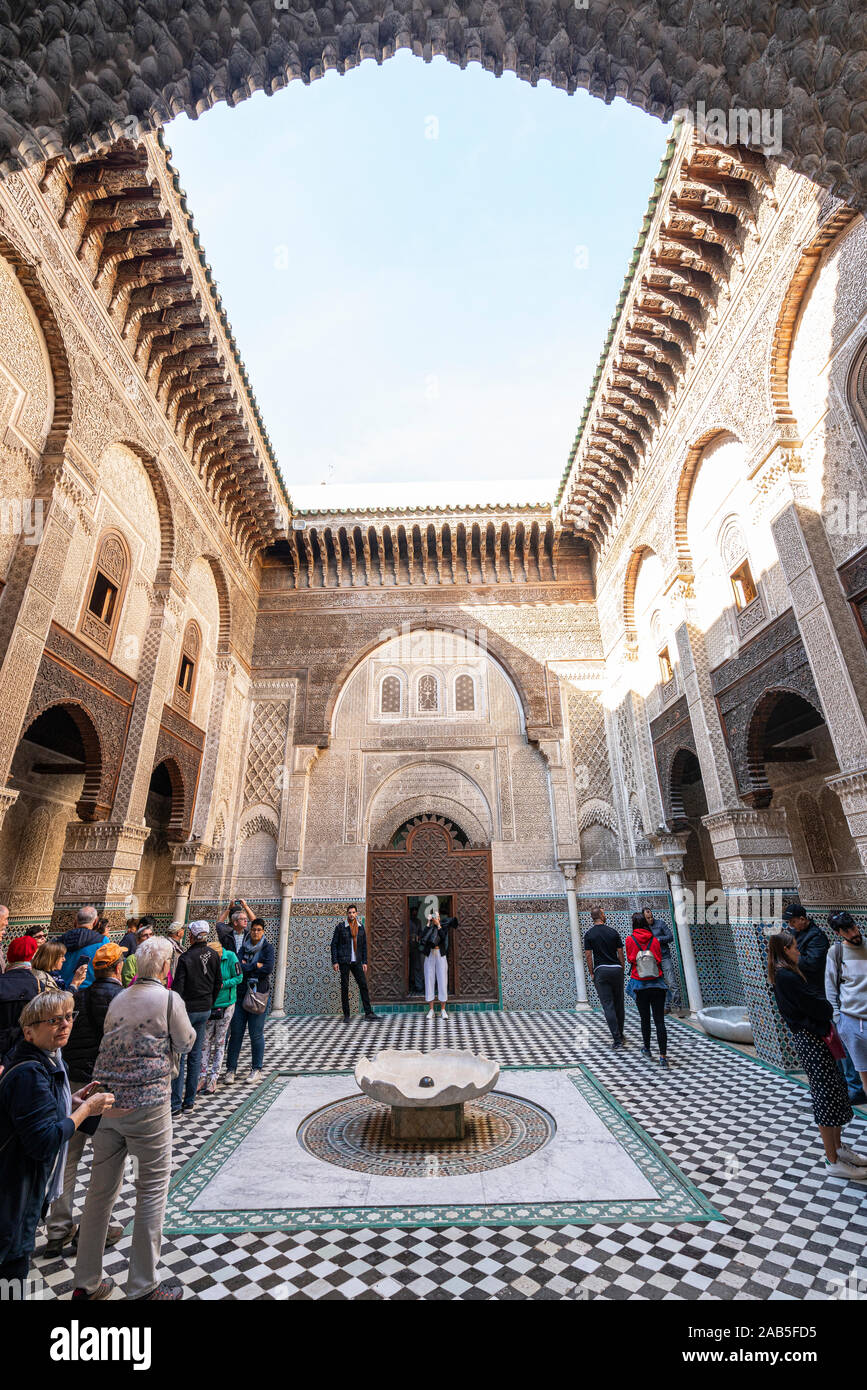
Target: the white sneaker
pixel 229 1078
pixel 429 1015
pixel 855 1160
pixel 443 1013
pixel 845 1170
pixel 254 1076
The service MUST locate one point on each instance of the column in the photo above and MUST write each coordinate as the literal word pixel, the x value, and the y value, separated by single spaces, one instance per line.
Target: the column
pixel 569 875
pixel 671 850
pixel 286 890
pixel 187 858
pixel 831 640
pixel 757 871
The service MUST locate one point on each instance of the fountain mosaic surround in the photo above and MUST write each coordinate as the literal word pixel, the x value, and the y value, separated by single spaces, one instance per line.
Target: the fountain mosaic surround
pixel 597 1165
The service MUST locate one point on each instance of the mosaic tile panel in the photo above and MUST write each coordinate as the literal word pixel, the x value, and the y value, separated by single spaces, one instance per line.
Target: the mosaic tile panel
pixel 716 960
pixel 535 950
pixel 771 1036
pixel 355 1133
pixel 312 987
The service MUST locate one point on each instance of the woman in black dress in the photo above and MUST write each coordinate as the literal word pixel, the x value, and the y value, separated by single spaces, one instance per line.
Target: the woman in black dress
pixel 809 1016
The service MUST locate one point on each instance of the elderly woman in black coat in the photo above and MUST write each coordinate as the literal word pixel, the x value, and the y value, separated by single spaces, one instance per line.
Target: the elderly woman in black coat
pixel 38 1116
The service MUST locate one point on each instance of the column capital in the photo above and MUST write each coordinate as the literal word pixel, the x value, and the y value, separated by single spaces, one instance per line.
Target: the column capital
pixel 670 849
pixel 189 855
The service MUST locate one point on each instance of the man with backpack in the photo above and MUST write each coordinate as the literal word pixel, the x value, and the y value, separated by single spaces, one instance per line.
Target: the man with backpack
pixel 648 984
pixel 198 980
pixel 846 991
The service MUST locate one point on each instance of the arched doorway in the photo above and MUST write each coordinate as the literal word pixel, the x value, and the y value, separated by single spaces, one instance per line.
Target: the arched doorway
pixel 57 771
pixel 164 812
pixel 429 860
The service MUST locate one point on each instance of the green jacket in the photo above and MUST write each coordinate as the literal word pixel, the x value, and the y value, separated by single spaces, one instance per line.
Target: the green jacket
pixel 230 973
pixel 127 971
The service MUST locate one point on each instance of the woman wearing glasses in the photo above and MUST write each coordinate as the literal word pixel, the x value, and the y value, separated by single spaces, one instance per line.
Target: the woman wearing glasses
pixel 38 1116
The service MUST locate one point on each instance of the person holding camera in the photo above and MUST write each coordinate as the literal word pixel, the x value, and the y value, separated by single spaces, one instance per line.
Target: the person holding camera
pixel 435 948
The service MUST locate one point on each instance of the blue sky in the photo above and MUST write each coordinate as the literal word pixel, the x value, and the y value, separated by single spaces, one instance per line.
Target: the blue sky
pixel 419 264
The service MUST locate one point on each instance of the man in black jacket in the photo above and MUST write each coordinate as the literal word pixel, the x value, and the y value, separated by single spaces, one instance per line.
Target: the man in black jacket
pixel 198 981
pixel 349 954
pixel 79 1054
pixel 813 945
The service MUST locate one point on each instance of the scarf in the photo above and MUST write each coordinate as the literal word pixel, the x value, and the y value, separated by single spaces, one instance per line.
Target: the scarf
pixel 55 1181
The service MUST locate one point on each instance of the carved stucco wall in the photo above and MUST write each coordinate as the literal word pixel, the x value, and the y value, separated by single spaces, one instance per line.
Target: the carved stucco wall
pixel 830 331
pixel 382 767
pixel 26 401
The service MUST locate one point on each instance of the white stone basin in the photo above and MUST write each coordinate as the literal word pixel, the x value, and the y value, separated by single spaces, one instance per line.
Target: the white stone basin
pixel 393 1077
pixel 731 1022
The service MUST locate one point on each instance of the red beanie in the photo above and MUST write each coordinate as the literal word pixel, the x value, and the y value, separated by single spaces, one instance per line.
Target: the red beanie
pixel 22 948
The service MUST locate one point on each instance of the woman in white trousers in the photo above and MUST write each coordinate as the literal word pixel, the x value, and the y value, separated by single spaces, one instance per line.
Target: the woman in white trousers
pixel 435 944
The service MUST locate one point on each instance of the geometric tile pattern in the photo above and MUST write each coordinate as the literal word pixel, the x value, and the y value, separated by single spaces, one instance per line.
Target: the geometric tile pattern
pixel 536 969
pixel 716 962
pixel 740 1131
pixel 355 1133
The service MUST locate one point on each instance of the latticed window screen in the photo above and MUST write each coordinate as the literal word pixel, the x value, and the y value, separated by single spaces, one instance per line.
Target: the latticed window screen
pixel 465 697
pixel 428 696
pixel 389 696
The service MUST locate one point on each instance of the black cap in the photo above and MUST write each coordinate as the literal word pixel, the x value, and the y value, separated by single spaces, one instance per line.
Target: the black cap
pixel 794 910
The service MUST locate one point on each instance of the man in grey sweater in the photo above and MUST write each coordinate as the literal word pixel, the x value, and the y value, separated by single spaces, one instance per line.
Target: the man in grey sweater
pixel 846 987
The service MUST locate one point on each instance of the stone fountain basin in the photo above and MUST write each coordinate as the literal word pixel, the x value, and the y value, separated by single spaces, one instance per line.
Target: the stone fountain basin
pixel 392 1077
pixel 728 1021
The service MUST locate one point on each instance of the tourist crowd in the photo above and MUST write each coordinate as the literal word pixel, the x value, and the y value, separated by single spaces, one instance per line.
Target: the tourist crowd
pixel 108 1043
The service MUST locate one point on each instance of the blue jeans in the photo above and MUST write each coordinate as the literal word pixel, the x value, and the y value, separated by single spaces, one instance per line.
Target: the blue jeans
pixel 851 1077
pixel 191 1064
pixel 241 1019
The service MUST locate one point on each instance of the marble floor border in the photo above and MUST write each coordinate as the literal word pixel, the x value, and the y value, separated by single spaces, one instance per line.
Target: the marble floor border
pixel 677 1199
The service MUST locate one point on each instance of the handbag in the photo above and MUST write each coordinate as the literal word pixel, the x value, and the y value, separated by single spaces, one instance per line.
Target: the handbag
pixel 254 1002
pixel 174 1057
pixel 834 1044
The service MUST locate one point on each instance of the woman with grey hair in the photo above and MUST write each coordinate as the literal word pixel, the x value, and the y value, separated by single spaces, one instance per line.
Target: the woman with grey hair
pixel 146 1028
pixel 38 1116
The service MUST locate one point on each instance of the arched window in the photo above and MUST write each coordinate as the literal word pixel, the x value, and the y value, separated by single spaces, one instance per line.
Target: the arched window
pixel 428 695
pixel 465 694
pixel 188 667
pixel 389 696
pixel 105 592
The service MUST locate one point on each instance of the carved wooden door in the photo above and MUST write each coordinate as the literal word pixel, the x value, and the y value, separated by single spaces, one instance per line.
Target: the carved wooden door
pixel 432 860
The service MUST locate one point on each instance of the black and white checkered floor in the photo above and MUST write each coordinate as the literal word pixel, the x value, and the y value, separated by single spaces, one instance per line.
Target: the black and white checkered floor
pixel 740 1132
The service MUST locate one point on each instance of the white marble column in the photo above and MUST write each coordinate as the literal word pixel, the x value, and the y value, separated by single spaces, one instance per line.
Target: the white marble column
pixel 569 872
pixel 671 850
pixel 288 887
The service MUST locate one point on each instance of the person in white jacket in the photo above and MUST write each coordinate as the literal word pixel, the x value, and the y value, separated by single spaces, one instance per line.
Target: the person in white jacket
pixel 846 987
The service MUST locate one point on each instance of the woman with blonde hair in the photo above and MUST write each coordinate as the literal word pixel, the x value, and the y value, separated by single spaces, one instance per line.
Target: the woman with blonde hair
pixel 39 1114
pixel 46 967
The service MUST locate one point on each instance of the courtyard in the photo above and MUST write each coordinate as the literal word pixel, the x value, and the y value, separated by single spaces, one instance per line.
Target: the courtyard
pixel 738 1206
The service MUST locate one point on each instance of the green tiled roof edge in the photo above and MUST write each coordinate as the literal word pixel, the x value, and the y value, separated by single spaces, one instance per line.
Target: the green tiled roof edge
pixel 218 305
pixel 615 322
pixel 430 508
